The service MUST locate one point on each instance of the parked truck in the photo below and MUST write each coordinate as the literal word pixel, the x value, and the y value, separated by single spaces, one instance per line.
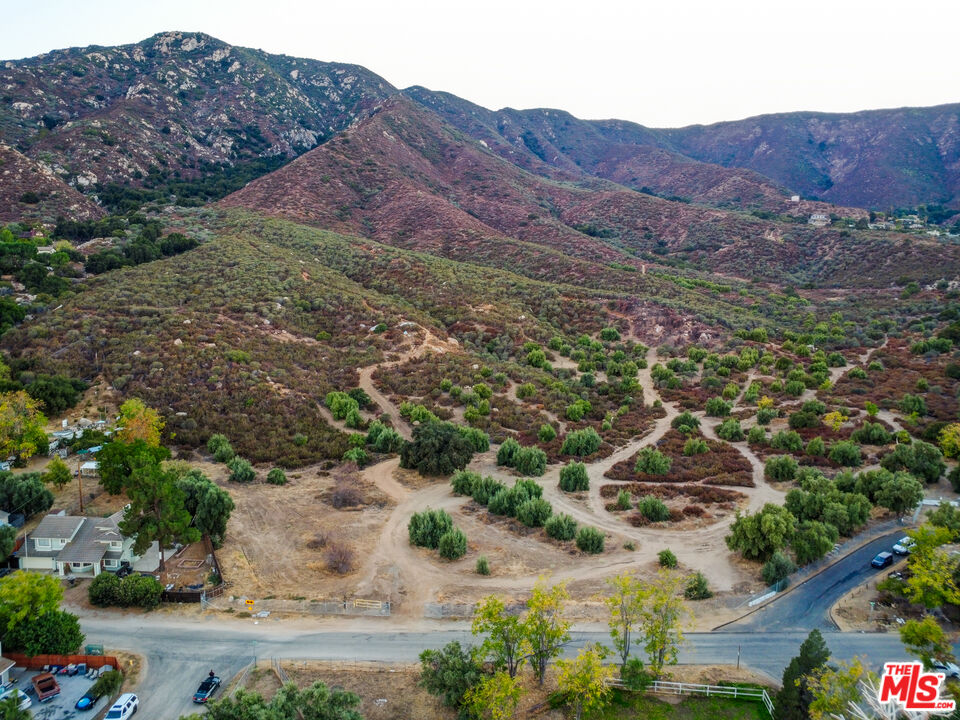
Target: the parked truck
pixel 46 686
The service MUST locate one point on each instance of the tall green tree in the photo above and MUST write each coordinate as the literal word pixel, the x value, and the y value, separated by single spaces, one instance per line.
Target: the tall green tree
pixel 793 700
pixel 505 635
pixel 21 425
pixel 626 604
pixel 118 460
pixel 156 511
pixel 662 618
pixel 208 503
pixel 450 673
pixel 26 596
pixel 545 627
pixel 57 473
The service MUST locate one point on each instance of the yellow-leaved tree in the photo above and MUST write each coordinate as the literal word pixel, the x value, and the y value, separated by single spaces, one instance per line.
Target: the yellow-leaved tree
pixel 21 425
pixel 139 422
pixel 584 680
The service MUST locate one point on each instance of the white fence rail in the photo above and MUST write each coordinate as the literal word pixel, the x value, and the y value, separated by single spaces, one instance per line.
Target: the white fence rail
pixel 663 687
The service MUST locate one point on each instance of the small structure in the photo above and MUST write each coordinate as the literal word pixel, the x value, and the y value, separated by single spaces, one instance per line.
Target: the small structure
pixel 91 468
pixel 819 220
pixel 794 198
pixel 82 545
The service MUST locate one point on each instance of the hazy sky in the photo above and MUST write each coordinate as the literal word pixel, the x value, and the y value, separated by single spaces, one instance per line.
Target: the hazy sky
pixel 666 63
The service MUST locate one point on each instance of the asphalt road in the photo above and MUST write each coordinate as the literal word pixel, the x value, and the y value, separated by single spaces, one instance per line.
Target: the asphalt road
pixel 807 606
pixel 180 653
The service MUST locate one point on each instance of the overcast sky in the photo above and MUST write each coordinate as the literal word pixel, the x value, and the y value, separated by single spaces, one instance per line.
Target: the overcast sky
pixel 668 63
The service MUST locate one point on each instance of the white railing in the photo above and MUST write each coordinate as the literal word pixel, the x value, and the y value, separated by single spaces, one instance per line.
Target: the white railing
pixel 663 687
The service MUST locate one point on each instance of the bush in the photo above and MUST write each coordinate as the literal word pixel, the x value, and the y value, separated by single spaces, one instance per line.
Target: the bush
pixel 277 477
pixel 507 453
pixel 697 587
pixel 780 468
pixel 695 446
pixel 730 430
pixel 341 405
pixel 452 545
pixel 623 500
pixel 241 470
pixel 802 419
pixel 590 540
pixel 55 633
pixel 787 440
pixel 104 590
pixel 910 404
pixel 531 461
pixel 777 568
pixel 483 565
pixel 339 558
pixel 384 439
pixel 546 433
pixel 653 509
pixel 463 482
pixel 871 434
pixel 757 435
pixel 652 462
pixel 356 455
pixel 577 410
pixel 484 489
pixel 426 528
pixel 685 422
pixel 634 676
pixel 581 442
pixel 765 415
pixel 561 527
pixel 140 591
pixel 574 478
pixel 717 407
pixel 220 448
pixel 845 453
pixel 667 559
pixel 534 513
pixel 816 447
pixel 108 684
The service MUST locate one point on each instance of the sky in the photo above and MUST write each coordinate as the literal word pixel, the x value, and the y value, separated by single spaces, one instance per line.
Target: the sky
pixel 662 64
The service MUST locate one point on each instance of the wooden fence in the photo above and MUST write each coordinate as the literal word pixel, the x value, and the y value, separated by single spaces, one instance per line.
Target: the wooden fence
pixel 37 662
pixel 663 687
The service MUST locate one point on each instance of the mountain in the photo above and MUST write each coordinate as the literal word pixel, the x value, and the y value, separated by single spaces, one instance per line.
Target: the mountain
pixel 875 159
pixel 173 105
pixel 405 177
pixel 28 190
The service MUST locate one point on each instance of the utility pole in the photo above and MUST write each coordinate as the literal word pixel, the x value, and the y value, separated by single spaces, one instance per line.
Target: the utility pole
pixel 80 483
pixel 738 657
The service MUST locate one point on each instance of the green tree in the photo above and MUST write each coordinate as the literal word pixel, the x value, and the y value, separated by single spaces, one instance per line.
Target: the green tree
pixel 626 605
pixel 450 673
pixel 437 449
pixel 574 478
pixel 505 635
pixel 926 640
pixel 581 442
pixel 584 680
pixel 26 596
pixel 931 582
pixel 793 700
pixel 652 462
pixel 118 461
pixel 156 511
pixel 8 538
pixel 209 504
pixel 761 534
pixel 241 470
pixel 919 458
pixel 813 540
pixel 900 492
pixel 55 633
pixel 57 473
pixel 452 545
pixel 24 493
pixel 590 540
pixel 426 528
pixel 777 568
pixel 561 527
pixel 545 628
pixel 661 624
pixel 10 709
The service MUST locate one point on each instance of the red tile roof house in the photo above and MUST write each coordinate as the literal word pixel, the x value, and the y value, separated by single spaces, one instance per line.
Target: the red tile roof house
pixel 83 546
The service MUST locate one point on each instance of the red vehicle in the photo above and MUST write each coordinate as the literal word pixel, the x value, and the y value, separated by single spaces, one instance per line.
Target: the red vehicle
pixel 46 686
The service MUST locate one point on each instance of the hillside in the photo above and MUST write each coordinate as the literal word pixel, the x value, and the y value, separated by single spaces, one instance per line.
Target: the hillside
pixel 31 191
pixel 876 159
pixel 407 178
pixel 172 106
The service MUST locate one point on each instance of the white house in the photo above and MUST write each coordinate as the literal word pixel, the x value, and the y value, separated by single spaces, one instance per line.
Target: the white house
pixel 82 545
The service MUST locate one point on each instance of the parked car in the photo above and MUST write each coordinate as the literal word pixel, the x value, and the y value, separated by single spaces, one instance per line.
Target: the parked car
pixel 25 701
pixel 46 686
pixel 882 560
pixel 87 701
pixel 125 707
pixel 124 570
pixel 207 688
pixel 904 546
pixel 947 668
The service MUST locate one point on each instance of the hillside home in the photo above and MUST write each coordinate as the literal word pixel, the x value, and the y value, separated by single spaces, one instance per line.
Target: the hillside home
pixel 6 665
pixel 83 545
pixel 819 220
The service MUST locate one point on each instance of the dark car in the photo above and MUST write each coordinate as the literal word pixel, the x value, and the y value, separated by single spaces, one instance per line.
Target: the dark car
pixel 206 690
pixel 87 701
pixel 124 570
pixel 882 560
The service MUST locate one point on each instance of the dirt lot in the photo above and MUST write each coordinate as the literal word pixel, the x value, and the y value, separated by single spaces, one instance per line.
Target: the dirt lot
pixel 391 692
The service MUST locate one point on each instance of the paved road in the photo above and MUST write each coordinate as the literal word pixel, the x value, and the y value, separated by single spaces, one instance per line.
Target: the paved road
pixel 807 606
pixel 179 652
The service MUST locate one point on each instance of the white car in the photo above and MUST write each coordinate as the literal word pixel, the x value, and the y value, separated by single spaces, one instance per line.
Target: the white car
pixel 904 546
pixel 947 668
pixel 25 702
pixel 125 707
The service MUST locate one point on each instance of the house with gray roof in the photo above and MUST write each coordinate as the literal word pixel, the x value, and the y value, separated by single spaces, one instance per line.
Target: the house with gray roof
pixel 83 546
